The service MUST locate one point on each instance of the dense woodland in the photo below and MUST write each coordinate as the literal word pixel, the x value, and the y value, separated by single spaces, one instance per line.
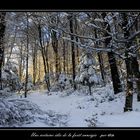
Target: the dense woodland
pixel 57 51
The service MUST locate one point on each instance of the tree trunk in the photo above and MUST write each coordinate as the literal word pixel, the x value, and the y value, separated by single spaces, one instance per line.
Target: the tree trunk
pixel 64 57
pixel 135 66
pixel 128 62
pixel 55 48
pixel 129 91
pixel 72 49
pixel 34 64
pixel 67 58
pixel 100 59
pixel 112 62
pixel 114 73
pixel 20 63
pixel 89 86
pixel 2 33
pixel 47 63
pixel 27 51
pixel 43 56
pixel 136 73
pixel 39 68
pixel 76 38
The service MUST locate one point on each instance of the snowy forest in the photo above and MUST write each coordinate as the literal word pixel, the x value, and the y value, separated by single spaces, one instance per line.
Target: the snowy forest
pixel 69 69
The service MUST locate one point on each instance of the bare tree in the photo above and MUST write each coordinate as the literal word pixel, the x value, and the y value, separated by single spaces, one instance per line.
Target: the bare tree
pixel 2 33
pixel 27 53
pixel 45 57
pixel 71 20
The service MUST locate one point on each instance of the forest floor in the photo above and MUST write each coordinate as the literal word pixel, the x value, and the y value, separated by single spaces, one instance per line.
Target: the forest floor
pixel 102 109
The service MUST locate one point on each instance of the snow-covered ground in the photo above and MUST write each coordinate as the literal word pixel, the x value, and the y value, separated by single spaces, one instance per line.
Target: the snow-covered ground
pixel 79 110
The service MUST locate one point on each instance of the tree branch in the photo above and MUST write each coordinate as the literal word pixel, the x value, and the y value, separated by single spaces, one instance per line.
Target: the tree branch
pixel 133 22
pixel 88 48
pixel 130 39
pixel 85 37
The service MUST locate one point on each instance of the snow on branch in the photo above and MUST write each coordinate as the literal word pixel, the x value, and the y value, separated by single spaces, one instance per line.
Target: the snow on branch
pixel 88 48
pixel 85 37
pixel 99 20
pixel 98 27
pixel 95 49
pixel 133 23
pixel 134 35
pixel 130 39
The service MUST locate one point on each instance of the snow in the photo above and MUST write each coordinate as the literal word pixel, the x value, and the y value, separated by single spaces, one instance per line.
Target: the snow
pixel 128 119
pixel 103 108
pixel 93 78
pixel 99 20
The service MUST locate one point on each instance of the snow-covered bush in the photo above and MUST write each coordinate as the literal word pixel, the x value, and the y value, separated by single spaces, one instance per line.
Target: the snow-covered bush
pixel 18 113
pixel 104 94
pixel 53 119
pixel 87 75
pixel 63 83
pixel 12 114
pixel 4 93
pixel 92 122
pixel 30 85
pixel 10 77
